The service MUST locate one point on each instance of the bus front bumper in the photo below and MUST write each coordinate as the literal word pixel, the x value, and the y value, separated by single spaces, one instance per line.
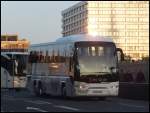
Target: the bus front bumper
pixel 98 90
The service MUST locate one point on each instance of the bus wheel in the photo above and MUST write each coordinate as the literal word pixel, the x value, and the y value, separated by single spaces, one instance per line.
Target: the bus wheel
pixel 35 88
pixel 63 92
pixel 40 91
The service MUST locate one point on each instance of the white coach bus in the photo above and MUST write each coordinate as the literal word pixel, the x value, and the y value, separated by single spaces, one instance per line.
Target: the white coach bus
pixel 13 69
pixel 77 65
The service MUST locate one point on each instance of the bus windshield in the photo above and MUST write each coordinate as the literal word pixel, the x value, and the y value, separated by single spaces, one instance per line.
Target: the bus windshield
pixel 19 61
pixel 96 57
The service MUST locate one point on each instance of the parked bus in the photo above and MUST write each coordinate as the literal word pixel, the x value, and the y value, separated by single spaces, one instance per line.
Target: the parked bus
pixel 77 65
pixel 13 69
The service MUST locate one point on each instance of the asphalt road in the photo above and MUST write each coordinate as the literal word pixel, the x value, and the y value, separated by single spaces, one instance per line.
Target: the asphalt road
pixel 24 101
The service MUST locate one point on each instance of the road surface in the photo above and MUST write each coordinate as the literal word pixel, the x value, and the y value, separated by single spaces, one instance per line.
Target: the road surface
pixel 23 101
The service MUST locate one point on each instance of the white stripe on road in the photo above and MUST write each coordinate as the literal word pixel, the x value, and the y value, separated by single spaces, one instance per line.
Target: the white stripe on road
pixel 43 102
pixel 66 107
pixel 129 105
pixel 38 102
pixel 24 99
pixel 36 109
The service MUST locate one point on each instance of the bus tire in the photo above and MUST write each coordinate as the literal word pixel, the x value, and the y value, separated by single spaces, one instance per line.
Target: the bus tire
pixel 35 88
pixel 40 91
pixel 63 92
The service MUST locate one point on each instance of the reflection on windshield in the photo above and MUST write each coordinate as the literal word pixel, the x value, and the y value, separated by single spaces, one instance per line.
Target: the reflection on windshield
pixel 95 51
pixel 96 57
pixel 20 64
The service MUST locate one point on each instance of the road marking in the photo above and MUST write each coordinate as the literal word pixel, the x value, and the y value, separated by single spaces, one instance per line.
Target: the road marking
pixel 34 102
pixel 36 109
pixel 129 105
pixel 44 102
pixel 66 107
pixel 24 99
pixel 37 102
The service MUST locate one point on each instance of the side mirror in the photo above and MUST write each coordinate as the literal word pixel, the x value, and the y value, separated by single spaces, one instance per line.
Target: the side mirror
pixel 120 54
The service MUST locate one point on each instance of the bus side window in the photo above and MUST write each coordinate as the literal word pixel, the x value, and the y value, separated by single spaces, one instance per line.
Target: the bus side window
pixel 53 56
pixel 90 51
pixel 49 57
pixel 100 51
pixel 96 51
pixel 70 63
pixel 46 57
pixel 30 57
pixel 36 56
pixel 60 56
pixel 64 56
pixel 41 56
pixel 33 57
pixel 37 53
pixel 57 57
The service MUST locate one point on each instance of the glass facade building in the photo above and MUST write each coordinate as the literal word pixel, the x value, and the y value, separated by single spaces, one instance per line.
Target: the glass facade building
pixel 127 22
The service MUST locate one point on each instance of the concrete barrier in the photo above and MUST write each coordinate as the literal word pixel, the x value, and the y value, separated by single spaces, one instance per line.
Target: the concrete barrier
pixel 133 90
pixel 134 68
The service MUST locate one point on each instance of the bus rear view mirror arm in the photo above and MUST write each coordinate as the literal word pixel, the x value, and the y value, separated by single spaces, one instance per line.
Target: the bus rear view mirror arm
pixel 121 53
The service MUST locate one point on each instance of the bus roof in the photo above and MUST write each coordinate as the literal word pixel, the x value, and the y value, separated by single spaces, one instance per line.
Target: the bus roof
pixel 76 38
pixel 83 37
pixel 15 53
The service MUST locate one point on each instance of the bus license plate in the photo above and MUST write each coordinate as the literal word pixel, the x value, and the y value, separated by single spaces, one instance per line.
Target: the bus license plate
pixel 97 91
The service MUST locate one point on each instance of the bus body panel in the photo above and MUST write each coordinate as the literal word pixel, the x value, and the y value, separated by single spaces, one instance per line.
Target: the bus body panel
pixel 51 85
pixel 6 79
pixel 13 75
pixel 96 89
pixel 54 73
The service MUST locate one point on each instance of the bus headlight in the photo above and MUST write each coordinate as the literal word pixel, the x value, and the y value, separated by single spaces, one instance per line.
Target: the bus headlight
pixel 114 70
pixel 114 86
pixel 83 86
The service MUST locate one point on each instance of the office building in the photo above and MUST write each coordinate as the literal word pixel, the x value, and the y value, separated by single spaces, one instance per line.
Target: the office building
pixel 127 22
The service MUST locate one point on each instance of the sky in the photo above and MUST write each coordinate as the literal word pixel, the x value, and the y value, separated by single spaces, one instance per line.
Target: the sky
pixel 37 21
